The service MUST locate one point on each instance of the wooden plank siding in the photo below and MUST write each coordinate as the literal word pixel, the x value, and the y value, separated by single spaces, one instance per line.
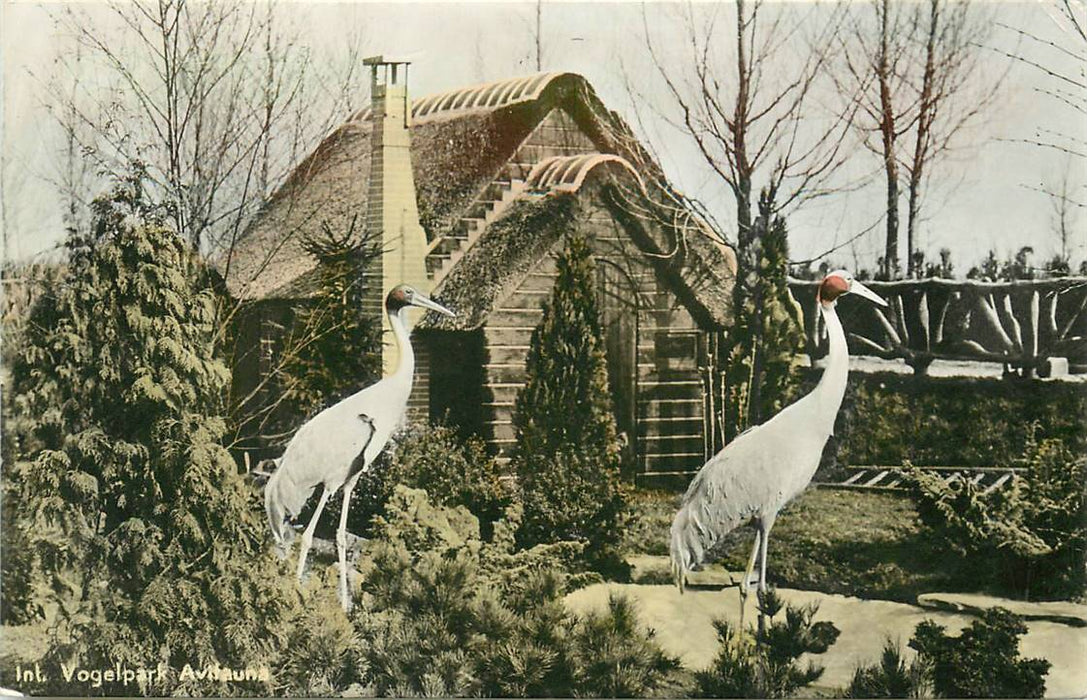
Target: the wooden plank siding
pixel 556 135
pixel 667 396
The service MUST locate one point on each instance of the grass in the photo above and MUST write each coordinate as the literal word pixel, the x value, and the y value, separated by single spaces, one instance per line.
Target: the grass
pixel 866 544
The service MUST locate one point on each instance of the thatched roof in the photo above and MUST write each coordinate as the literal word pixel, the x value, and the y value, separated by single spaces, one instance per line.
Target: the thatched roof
pixel 455 153
pixel 506 252
pixel 460 141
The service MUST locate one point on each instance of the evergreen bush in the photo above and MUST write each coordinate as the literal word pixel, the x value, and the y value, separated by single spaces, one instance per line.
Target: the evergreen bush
pixel 332 350
pixel 334 347
pixel 983 661
pixel 431 457
pixel 145 547
pixel 1030 534
pixel 323 655
pixel 767 338
pixel 452 471
pixel 613 658
pixel 444 613
pixel 891 677
pixel 888 418
pixel 767 667
pixel 567 456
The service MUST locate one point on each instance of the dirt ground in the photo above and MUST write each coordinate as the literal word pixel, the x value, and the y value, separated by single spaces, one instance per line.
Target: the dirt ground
pixel 684 627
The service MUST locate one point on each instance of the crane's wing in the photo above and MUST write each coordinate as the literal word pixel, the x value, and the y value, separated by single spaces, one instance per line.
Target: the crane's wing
pixel 720 498
pixel 359 463
pixel 307 461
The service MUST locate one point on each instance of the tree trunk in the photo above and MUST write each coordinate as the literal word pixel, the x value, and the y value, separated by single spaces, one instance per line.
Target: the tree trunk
pixel 887 129
pixel 925 118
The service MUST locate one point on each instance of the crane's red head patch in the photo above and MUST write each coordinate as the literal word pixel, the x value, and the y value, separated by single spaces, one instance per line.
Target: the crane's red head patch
pixel 832 287
pixel 399 297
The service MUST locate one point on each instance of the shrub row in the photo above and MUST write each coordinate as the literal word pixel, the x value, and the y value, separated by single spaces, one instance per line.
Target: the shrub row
pixel 888 418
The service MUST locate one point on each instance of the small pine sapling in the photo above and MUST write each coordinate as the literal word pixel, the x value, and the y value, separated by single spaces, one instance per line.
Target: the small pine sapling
pixel 768 666
pixel 891 677
pixel 983 661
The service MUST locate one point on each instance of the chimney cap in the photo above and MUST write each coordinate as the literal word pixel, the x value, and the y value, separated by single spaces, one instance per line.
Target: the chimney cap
pixel 381 60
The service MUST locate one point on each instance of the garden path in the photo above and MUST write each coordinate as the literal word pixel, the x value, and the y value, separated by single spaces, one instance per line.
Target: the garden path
pixel 684 627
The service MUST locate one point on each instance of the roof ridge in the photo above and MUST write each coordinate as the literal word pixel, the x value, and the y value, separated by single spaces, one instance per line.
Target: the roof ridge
pixel 491 95
pixel 569 172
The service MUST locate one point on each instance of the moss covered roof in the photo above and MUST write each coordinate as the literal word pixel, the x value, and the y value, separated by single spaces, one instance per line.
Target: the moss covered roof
pixel 693 267
pixel 460 141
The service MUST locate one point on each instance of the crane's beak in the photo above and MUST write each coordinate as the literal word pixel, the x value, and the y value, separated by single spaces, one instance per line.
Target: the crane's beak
pixel 428 303
pixel 859 289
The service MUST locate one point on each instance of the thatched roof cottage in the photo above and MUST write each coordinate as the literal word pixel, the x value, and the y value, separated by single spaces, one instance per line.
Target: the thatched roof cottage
pixel 500 172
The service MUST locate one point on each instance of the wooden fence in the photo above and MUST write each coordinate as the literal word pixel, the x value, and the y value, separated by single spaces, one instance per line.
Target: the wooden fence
pixel 1022 324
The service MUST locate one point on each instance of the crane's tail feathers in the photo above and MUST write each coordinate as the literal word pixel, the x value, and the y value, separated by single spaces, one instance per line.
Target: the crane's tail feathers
pixel 275 510
pixel 283 501
pixel 683 559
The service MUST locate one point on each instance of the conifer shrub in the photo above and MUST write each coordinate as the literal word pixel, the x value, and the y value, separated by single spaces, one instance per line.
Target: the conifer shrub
pixel 145 548
pixel 764 344
pixel 888 418
pixel 323 655
pixel 613 658
pixel 768 666
pixel 334 347
pixel 567 455
pixel 454 472
pixel 1027 538
pixel 332 350
pixel 444 613
pixel 891 677
pixel 983 661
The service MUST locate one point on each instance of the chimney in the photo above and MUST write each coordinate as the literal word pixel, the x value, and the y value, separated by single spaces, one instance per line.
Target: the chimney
pixel 393 214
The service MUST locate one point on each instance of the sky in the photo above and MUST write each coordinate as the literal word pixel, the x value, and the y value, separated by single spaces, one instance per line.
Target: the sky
pixel 984 196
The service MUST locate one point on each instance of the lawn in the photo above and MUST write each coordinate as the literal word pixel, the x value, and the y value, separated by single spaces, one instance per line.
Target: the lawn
pixel 861 543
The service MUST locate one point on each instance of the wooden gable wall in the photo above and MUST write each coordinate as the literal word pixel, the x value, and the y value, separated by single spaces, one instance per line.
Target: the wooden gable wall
pixel 655 351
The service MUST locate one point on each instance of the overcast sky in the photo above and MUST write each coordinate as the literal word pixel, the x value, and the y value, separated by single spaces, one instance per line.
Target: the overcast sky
pixel 980 199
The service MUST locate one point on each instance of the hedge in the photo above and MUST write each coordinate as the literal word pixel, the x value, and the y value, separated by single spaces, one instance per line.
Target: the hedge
pixel 888 418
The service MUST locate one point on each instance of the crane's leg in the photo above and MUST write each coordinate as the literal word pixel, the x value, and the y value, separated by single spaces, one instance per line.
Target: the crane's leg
pixel 765 526
pixel 745 583
pixel 341 541
pixel 307 536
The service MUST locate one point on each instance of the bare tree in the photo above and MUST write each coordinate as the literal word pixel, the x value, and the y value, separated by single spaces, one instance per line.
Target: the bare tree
pixel 918 73
pixel 210 96
pixel 1065 219
pixel 1059 62
pixel 951 94
pixel 747 94
pixel 745 98
pixel 875 51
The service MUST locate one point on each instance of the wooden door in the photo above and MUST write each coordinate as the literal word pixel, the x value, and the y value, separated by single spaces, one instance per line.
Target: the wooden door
pixel 619 327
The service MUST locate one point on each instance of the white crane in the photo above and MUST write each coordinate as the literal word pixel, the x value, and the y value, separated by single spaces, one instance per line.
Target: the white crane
pixel 341 442
pixel 765 467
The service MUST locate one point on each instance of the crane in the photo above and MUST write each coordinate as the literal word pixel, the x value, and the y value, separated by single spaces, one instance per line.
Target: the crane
pixel 341 442
pixel 765 467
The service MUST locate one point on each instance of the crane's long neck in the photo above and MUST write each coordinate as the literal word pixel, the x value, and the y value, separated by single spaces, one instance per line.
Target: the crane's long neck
pixel 831 388
pixel 405 367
